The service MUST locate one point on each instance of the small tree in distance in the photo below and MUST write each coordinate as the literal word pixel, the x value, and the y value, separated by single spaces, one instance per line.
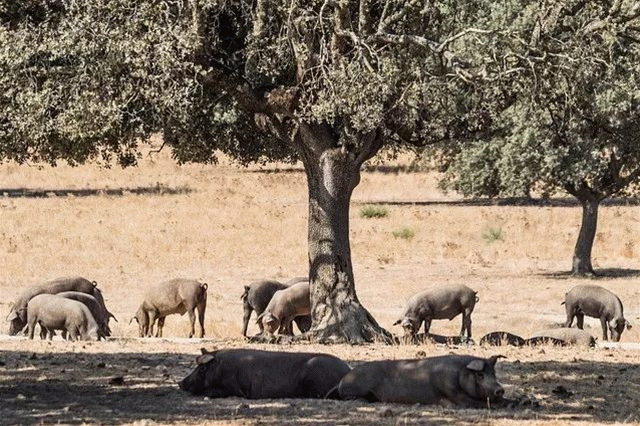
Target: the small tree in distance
pixel 575 126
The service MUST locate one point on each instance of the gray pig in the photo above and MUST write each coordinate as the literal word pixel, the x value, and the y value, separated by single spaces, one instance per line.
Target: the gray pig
pixel 257 296
pixel 256 374
pixel 571 336
pixel 598 302
pixel 450 380
pixel 445 302
pixel 100 314
pixel 176 296
pixel 53 312
pixel 284 306
pixel 18 314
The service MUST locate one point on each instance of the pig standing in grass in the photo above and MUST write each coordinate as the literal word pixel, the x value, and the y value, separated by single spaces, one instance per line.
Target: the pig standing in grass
pixel 450 380
pixel 18 314
pixel 256 297
pixel 285 305
pixel 53 312
pixel 445 302
pixel 172 297
pixel 597 302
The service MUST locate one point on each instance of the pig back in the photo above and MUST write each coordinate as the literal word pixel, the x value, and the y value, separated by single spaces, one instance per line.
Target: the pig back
pixel 291 301
pixel 594 301
pixel 444 302
pixel 175 296
pixel 259 294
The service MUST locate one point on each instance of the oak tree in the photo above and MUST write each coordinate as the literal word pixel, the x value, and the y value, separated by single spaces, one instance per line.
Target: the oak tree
pixel 574 124
pixel 326 82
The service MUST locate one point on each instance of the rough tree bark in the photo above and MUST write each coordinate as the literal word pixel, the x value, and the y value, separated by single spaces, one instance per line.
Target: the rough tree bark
pixel 590 202
pixel 333 171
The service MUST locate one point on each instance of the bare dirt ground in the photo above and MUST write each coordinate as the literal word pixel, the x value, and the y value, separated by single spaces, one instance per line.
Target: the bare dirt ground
pixel 229 226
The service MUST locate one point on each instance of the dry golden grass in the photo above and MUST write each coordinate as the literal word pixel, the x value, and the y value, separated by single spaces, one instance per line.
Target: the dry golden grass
pixel 230 226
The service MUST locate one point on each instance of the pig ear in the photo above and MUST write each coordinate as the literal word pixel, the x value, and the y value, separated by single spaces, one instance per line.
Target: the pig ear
pixel 205 358
pixel 12 315
pixel 492 360
pixel 476 365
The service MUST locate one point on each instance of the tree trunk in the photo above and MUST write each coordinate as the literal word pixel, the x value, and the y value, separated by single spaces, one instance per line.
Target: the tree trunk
pixel 582 252
pixel 332 175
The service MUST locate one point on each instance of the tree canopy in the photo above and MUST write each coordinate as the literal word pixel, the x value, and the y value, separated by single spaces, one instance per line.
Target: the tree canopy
pixel 574 125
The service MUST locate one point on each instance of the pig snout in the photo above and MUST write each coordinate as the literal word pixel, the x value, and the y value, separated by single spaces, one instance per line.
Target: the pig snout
pixel 498 393
pixel 270 323
pixel 491 389
pixel 194 382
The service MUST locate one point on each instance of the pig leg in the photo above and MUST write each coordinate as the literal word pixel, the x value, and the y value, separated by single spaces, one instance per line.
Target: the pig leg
pixel 245 318
pixel 152 321
pixel 289 327
pixel 160 326
pixel 580 321
pixel 603 322
pixel 32 327
pixel 43 332
pixel 427 326
pixel 201 308
pixel 73 334
pixel 466 325
pixel 192 322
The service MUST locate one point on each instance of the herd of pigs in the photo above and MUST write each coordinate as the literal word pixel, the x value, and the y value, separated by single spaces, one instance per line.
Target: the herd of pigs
pixel 75 307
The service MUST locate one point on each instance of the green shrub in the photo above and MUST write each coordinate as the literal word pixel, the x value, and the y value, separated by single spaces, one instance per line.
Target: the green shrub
pixel 493 234
pixel 405 233
pixel 373 212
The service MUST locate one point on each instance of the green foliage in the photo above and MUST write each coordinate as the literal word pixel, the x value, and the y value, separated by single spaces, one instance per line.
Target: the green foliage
pixel 83 80
pixel 406 233
pixel 373 212
pixel 491 235
pixel 573 123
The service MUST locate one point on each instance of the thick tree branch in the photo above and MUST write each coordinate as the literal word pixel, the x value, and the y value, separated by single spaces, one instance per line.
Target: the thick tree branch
pixel 388 21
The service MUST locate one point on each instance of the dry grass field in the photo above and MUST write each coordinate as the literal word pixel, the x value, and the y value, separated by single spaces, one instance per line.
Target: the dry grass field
pixel 229 226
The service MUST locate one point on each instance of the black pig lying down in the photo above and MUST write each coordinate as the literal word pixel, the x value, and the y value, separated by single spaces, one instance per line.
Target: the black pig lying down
pixel 256 374
pixel 464 381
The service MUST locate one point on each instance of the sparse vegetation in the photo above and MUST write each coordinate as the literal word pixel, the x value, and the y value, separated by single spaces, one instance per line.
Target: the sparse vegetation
pixel 373 212
pixel 405 233
pixel 491 235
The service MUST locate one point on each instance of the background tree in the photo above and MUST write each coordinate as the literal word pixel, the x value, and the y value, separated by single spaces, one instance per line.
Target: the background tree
pixel 575 125
pixel 328 82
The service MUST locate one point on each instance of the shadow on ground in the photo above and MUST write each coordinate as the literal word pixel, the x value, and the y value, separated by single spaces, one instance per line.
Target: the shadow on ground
pixel 90 192
pixel 516 201
pixel 117 388
pixel 604 273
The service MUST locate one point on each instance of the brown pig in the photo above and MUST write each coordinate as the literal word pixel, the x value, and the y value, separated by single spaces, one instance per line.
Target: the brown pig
pixel 597 302
pixel 285 305
pixel 176 296
pixel 444 302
